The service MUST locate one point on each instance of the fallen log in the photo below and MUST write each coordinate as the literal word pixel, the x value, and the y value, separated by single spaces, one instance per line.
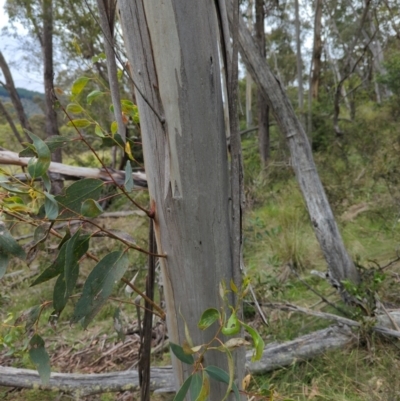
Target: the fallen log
pixel 162 380
pixel 72 172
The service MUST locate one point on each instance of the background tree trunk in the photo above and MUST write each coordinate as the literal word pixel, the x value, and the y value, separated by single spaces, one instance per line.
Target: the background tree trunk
pixel 173 53
pixel 317 50
pixel 50 113
pixel 340 265
pixel 263 109
pixel 16 101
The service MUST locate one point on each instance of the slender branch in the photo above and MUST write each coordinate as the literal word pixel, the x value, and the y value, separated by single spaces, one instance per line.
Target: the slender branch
pixel 145 297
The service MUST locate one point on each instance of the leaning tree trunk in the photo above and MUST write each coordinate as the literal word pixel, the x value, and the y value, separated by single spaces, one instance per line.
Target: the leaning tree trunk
pixel 173 55
pixel 340 265
pixel 16 101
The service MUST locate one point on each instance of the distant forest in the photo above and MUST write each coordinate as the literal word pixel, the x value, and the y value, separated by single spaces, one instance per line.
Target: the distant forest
pixel 23 93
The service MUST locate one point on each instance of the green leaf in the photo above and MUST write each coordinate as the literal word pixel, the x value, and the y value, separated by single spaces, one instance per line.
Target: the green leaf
pixel 233 287
pixel 195 386
pixel 114 127
pixel 257 340
pixel 91 208
pixel 8 245
pixel 79 123
pixel 75 248
pixel 54 269
pixel 74 108
pixel 4 258
pixel 180 354
pixel 220 375
pixel 128 177
pixel 232 326
pixel 38 166
pixel 46 182
pixel 100 56
pixel 32 315
pixel 50 206
pixel 99 285
pixel 53 142
pixel 208 317
pixel 14 189
pixel 205 388
pixel 98 131
pixel 79 85
pixel 40 358
pixel 93 95
pixel 181 394
pixel 76 194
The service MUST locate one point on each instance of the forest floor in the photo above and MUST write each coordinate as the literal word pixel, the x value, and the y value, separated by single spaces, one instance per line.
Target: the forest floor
pixel 280 254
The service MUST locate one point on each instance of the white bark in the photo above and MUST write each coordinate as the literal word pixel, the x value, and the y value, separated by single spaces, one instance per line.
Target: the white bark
pixel 172 49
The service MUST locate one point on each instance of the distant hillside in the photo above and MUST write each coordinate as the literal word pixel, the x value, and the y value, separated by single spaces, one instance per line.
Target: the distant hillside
pixel 23 93
pixel 27 96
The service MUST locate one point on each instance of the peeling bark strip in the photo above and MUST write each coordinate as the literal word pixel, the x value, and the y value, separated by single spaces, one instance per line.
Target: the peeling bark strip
pixel 173 52
pixel 339 262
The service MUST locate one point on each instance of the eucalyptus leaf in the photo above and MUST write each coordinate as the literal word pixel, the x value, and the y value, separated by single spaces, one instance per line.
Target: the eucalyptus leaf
pixel 258 342
pixel 208 317
pixel 178 351
pixel 91 208
pixel 8 245
pixel 181 394
pixel 40 358
pixel 195 386
pixel 79 85
pixel 50 206
pixel 38 166
pixel 220 375
pixel 99 285
pixel 128 177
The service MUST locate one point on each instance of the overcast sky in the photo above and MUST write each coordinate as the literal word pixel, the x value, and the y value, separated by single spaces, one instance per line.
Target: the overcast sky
pixel 11 49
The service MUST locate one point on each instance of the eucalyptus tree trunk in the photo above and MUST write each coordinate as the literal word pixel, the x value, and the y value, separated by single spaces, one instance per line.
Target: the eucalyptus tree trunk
pixel 317 50
pixel 173 54
pixel 298 57
pixel 16 101
pixel 46 41
pixel 263 108
pixel 340 265
pixel 249 80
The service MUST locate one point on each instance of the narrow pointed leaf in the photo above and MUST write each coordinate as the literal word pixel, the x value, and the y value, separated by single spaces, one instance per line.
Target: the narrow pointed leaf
pixel 205 388
pixel 181 394
pixel 38 166
pixel 114 127
pixel 220 375
pixel 99 285
pixel 46 182
pixel 118 324
pixel 195 386
pixel 98 131
pixel 208 317
pixel 180 354
pixel 40 358
pixel 128 177
pixel 50 206
pixel 258 342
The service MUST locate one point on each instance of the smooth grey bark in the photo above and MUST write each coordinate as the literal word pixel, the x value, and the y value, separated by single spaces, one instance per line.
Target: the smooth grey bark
pixel 340 265
pixel 173 54
pixel 16 101
pixel 249 80
pixel 106 19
